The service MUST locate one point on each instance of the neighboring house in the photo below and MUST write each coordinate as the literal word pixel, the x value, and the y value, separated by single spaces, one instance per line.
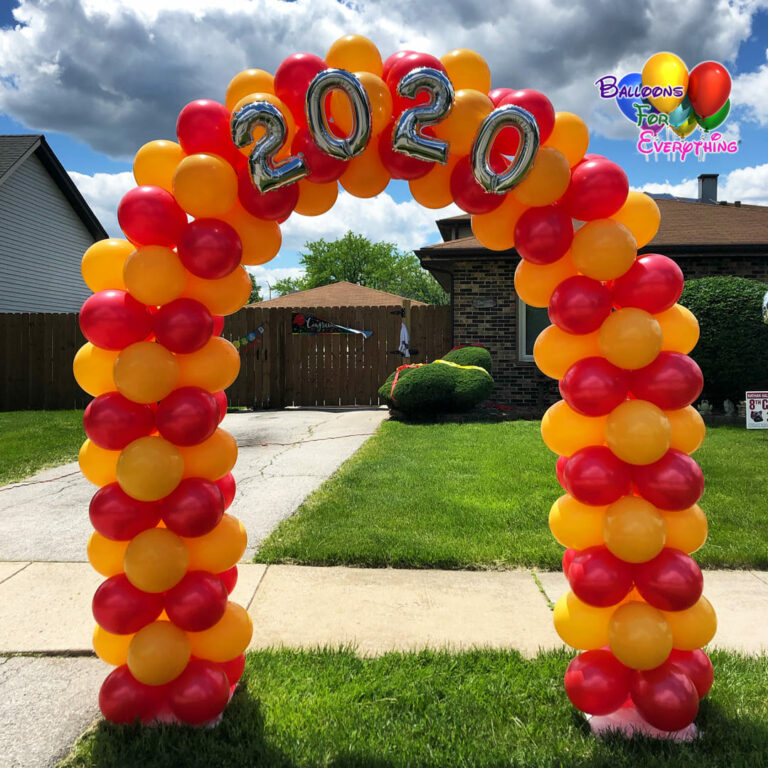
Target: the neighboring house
pixel 45 227
pixel 341 294
pixel 704 236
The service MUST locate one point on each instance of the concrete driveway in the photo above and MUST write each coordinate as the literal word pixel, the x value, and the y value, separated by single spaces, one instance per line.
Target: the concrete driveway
pixel 283 456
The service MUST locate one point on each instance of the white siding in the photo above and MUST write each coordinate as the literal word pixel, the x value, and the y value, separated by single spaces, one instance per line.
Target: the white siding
pixel 42 240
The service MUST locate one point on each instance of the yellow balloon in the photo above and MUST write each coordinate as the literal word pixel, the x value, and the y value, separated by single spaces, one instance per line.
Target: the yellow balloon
pixel 576 525
pixel 156 162
pixel 109 647
pixel 97 464
pixel 212 458
pixel 546 181
pixel 258 131
pixel 687 429
pixel 686 128
pixel 694 627
pixel 470 108
pixel 603 249
pixel 535 283
pixel 679 329
pixel 365 175
pixel 569 136
pixel 316 199
pixel 102 264
pixel 93 369
pixel 246 82
pixel 634 529
pixel 213 367
pixel 149 468
pixel 223 296
pixel 226 639
pixel 220 549
pixel 639 636
pixel 205 185
pixel 663 72
pixel 156 560
pixel 261 239
pixel 467 69
pixel 641 216
pixel 581 625
pixel 555 351
pixel 154 275
pixel 105 555
pixel 145 372
pixel 637 432
pixel 353 53
pixel 433 190
pixel 158 653
pixel 496 230
pixel 686 529
pixel 379 97
pixel 630 338
pixel 564 431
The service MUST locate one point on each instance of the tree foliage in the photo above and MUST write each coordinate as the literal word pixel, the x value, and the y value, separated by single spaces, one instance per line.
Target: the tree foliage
pixel 255 290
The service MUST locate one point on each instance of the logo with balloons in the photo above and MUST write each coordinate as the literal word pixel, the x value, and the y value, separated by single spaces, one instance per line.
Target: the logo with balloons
pixel 665 100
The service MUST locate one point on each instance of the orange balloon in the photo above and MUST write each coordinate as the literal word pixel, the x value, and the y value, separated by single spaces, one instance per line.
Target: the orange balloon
pixel 93 369
pixel 156 162
pixel 687 429
pixel 581 625
pixel 470 108
pixel 630 338
pixel 634 529
pixel 145 372
pixel 258 132
pixel 226 639
pixel 569 136
pixel 223 296
pixel 576 525
pixel 693 627
pixel 220 549
pixel 546 181
pixel 639 636
pixel 496 230
pixel 315 199
pixel 110 647
pixel 687 529
pixel 205 185
pixel 149 468
pixel 105 555
pixel 679 329
pixel 211 459
pixel 247 82
pixel 365 175
pixel 535 283
pixel 353 53
pixel 102 264
pixel 641 216
pixel 433 190
pixel 213 367
pixel 156 560
pixel 154 275
pixel 603 249
pixel 467 69
pixel 158 653
pixel 379 96
pixel 261 239
pixel 564 431
pixel 97 464
pixel 555 351
pixel 637 432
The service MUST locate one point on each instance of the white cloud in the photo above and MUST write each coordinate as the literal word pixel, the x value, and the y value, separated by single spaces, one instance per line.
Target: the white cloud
pixel 103 192
pixel 748 93
pixel 266 276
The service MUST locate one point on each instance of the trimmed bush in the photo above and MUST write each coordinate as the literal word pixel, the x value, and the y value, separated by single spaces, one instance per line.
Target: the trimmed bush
pixel 470 356
pixel 733 349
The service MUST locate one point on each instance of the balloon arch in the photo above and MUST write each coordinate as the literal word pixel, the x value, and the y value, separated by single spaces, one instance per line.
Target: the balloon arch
pixel 157 366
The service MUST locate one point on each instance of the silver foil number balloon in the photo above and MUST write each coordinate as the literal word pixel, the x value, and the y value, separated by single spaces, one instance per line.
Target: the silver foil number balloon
pixel 319 89
pixel 500 118
pixel 407 138
pixel 266 175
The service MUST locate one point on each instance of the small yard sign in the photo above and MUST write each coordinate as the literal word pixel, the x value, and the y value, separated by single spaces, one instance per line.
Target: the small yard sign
pixel 757 410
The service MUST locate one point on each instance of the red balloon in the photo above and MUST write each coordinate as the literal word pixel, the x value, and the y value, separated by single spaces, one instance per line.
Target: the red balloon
pixel 229 578
pixel 221 401
pixel 560 468
pixel 401 67
pixel 122 609
pixel 187 416
pixel 468 194
pixel 197 602
pixel 151 216
pixel 568 556
pixel 539 106
pixel 596 682
pixel 497 94
pixel 123 699
pixel 218 325
pixel 672 581
pixel 597 190
pixel 579 304
pixel 204 126
pixel 227 486
pixel 653 283
pixel 695 665
pixel 234 668
pixel 599 578
pixel 275 205
pixel 671 381
pixel 595 476
pixel 210 248
pixel 200 693
pixel 194 508
pixel 543 235
pixel 390 62
pixel 398 165
pixel 120 517
pixel 112 421
pixel 594 387
pixel 709 86
pixel 665 698
pixel 292 79
pixel 322 168
pixel 674 482
pixel 113 319
pixel 183 325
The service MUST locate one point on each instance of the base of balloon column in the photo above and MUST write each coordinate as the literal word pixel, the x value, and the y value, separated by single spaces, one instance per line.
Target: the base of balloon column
pixel 628 722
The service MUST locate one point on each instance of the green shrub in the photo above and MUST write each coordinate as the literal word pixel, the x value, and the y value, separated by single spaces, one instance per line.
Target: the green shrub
pixel 471 387
pixel 470 356
pixel 733 348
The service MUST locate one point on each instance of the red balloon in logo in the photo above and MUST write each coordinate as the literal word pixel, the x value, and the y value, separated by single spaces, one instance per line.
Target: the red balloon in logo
pixel 122 609
pixel 599 578
pixel 322 168
pixel 709 86
pixel 204 126
pixel 595 476
pixel 194 508
pixel 468 194
pixel 120 517
pixel 672 581
pixel 113 319
pixel 597 683
pixel 210 248
pixel 187 416
pixel 398 165
pixel 112 421
pixel 543 235
pixel 151 216
pixel 665 698
pixel 292 79
pixel 539 106
pixel 275 205
pixel 197 602
pixel 653 283
pixel 671 381
pixel 183 325
pixel 123 699
pixel 674 482
pixel 695 665
pixel 227 486
pixel 579 305
pixel 594 387
pixel 200 693
pixel 597 190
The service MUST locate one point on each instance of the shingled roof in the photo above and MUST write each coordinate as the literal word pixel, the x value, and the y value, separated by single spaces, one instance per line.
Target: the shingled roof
pixel 341 294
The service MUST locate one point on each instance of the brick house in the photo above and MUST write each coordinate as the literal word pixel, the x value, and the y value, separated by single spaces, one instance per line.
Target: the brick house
pixel 704 236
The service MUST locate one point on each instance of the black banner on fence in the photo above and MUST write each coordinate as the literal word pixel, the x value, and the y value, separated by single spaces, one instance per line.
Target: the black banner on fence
pixel 306 323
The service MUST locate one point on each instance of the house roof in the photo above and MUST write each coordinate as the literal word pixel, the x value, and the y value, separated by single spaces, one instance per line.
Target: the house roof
pixel 16 148
pixel 341 294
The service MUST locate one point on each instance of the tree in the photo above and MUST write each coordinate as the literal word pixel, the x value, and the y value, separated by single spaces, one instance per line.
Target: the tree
pixel 255 290
pixel 356 259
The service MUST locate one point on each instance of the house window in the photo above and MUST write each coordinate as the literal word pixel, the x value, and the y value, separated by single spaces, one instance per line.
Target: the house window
pixel 532 321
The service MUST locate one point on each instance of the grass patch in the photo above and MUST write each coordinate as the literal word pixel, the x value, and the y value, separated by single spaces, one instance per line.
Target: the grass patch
pixel 483 708
pixel 33 440
pixel 477 495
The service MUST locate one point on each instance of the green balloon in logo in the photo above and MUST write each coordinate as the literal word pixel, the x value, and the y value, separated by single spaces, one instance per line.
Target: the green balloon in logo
pixel 713 121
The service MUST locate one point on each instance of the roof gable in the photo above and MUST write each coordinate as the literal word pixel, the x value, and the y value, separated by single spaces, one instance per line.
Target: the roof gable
pixel 341 294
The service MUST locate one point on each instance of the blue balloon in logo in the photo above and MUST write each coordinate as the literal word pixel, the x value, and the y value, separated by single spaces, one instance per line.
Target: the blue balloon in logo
pixel 681 113
pixel 626 104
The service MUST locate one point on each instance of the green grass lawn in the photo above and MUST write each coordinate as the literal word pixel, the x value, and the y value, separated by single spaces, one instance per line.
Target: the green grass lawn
pixel 477 495
pixel 33 440
pixel 483 708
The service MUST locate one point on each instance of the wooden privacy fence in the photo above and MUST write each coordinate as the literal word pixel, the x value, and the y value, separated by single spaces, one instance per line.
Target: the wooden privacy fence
pixel 278 368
